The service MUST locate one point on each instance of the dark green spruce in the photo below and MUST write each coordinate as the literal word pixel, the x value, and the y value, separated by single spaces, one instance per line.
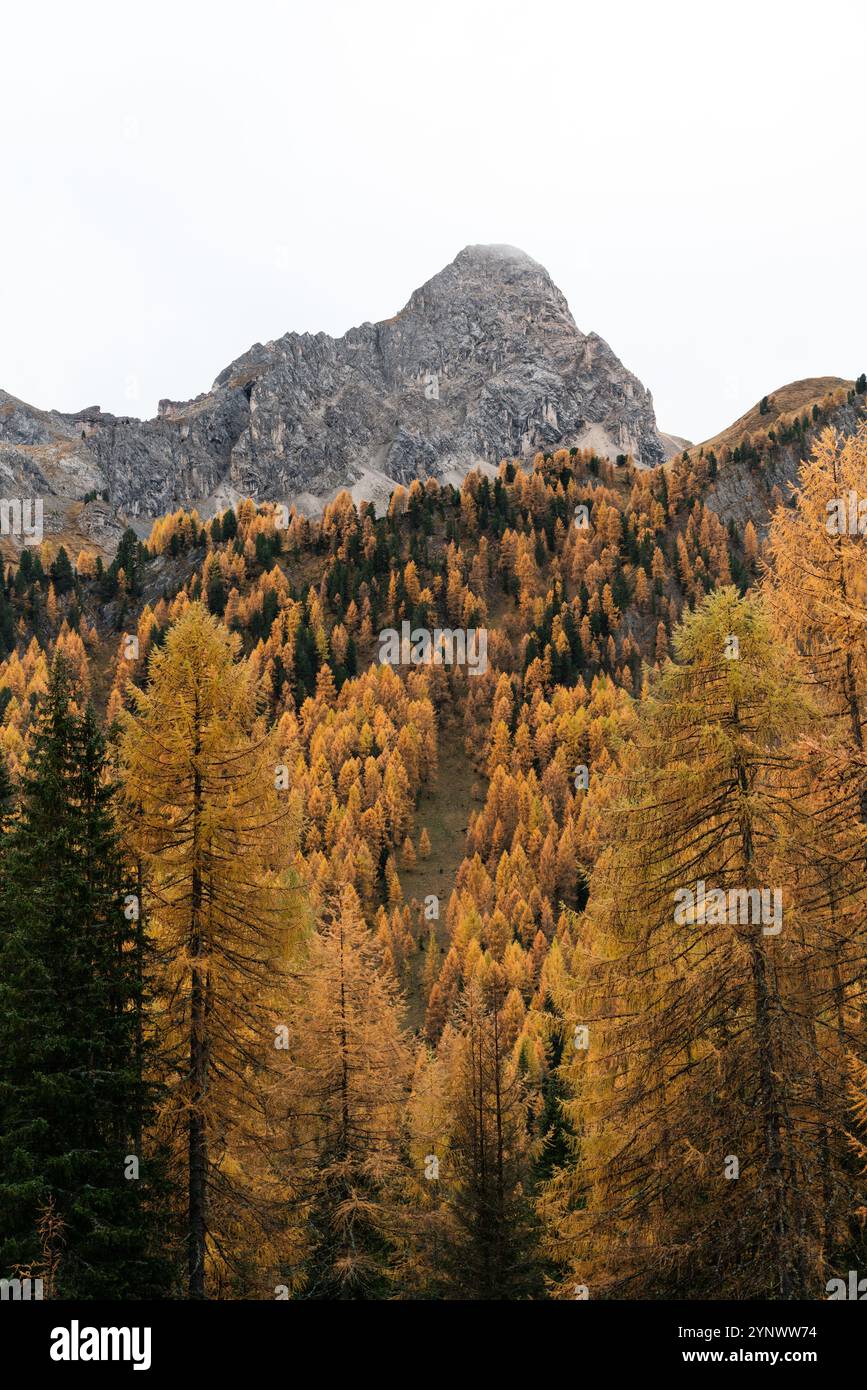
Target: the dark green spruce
pixel 72 1094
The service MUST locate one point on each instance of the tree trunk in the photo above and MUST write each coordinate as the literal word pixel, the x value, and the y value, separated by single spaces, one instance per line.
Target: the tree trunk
pixel 198 1140
pixel 768 1089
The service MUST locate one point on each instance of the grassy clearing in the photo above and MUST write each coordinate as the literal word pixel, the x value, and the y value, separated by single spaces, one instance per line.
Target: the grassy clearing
pixel 444 808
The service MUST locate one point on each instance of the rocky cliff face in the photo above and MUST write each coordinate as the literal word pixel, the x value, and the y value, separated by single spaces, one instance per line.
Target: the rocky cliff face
pixel 484 362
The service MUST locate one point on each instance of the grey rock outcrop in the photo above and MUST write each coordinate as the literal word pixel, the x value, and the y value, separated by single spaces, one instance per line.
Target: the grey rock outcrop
pixel 485 361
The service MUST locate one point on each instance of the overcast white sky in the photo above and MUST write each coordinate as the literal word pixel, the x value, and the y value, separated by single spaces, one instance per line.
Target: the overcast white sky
pixel 181 180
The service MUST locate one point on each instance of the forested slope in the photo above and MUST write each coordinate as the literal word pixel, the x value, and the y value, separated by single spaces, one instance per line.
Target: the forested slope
pixel 375 970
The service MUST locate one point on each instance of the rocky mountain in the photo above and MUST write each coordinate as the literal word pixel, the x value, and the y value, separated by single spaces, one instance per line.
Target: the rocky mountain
pixel 485 361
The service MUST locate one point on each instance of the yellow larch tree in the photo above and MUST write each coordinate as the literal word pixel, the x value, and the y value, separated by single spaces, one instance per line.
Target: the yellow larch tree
pixel 212 835
pixel 348 1074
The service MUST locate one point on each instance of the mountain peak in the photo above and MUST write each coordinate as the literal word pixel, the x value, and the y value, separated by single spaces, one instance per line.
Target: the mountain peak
pixel 484 362
pixel 487 254
pixel 491 267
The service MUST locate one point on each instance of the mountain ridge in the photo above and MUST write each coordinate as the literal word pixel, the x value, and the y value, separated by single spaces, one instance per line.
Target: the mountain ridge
pixel 484 361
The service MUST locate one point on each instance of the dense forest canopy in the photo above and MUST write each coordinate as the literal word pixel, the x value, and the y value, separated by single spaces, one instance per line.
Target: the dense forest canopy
pixel 325 974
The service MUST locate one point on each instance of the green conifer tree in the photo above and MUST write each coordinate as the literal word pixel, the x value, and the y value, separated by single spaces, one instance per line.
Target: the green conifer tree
pixel 72 1094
